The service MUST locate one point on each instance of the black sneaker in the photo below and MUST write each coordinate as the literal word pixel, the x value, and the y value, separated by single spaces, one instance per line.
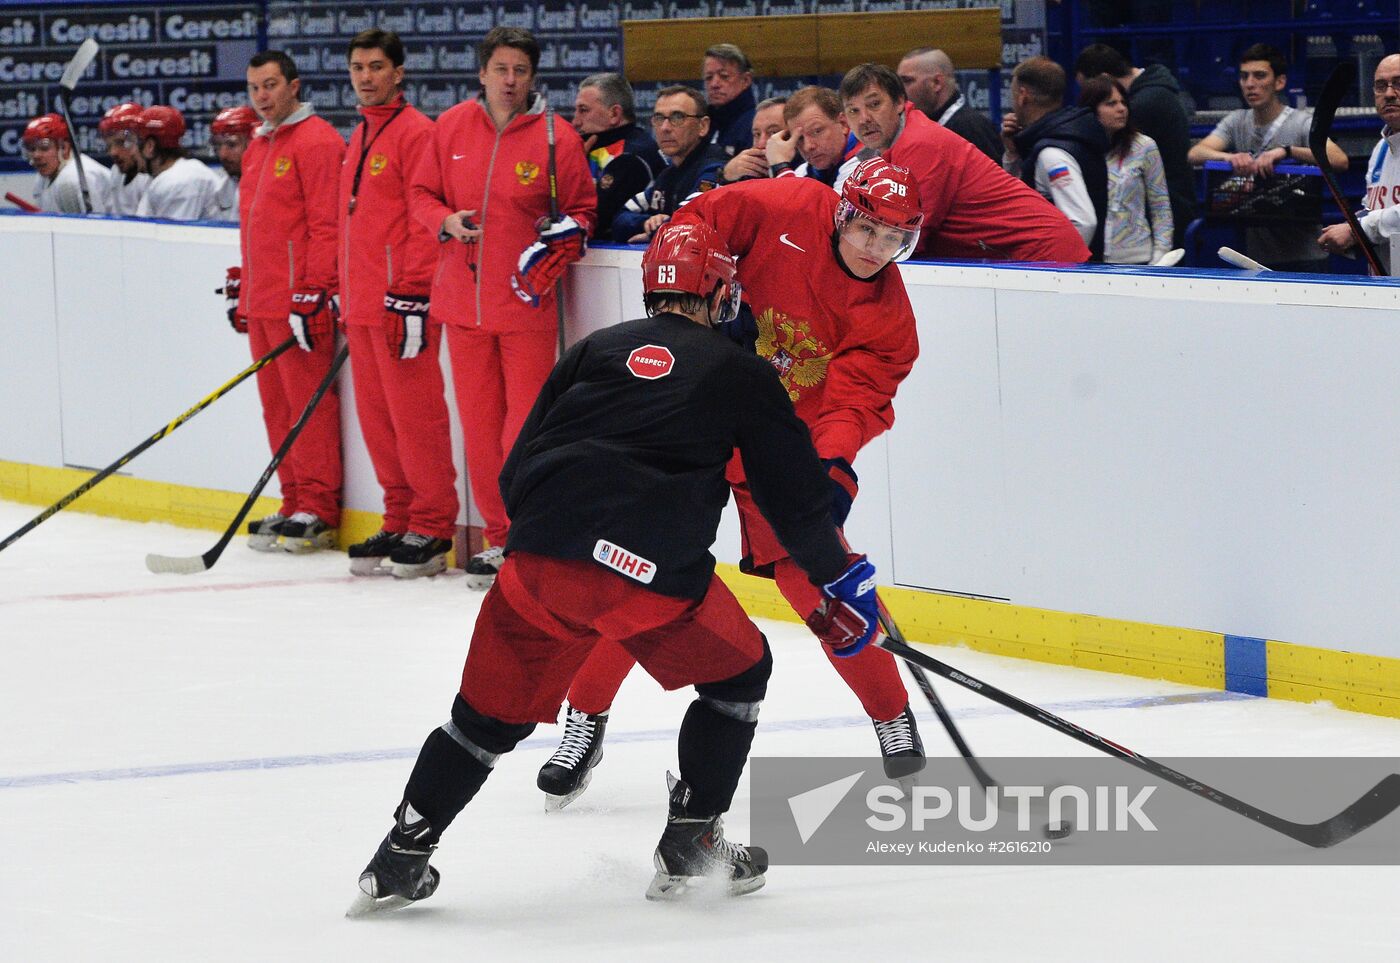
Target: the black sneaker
pixel 900 745
pixel 305 532
pixel 399 872
pixel 371 556
pixel 419 555
pixel 483 566
pixel 262 534
pixel 693 855
pixel 568 772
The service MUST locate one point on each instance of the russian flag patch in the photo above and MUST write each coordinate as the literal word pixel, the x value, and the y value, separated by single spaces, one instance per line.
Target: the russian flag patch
pixel 1059 173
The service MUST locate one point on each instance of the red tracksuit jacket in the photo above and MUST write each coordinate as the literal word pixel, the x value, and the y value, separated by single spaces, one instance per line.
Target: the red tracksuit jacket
pixel 973 208
pixel 504 176
pixel 286 207
pixel 382 248
pixel 841 345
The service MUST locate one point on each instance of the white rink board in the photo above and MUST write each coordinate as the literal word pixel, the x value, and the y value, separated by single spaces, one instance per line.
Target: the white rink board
pixel 1198 449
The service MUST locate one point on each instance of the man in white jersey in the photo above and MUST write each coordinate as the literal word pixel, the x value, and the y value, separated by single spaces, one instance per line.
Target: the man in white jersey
pixel 181 188
pixel 48 147
pixel 229 135
pixel 126 183
pixel 1380 218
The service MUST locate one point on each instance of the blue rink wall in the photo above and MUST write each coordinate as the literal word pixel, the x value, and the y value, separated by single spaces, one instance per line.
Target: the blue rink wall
pixel 1206 460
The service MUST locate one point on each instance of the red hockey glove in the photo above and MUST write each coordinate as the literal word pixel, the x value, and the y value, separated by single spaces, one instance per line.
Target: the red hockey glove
pixel 233 283
pixel 561 243
pixel 851 614
pixel 405 322
pixel 313 316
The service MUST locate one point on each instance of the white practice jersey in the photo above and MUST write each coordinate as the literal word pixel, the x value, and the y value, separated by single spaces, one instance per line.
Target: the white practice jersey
pixel 62 194
pixel 1060 181
pixel 226 198
pixel 184 191
pixel 1381 217
pixel 123 196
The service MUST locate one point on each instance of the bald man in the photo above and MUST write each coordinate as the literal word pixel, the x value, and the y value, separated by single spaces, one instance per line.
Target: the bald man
pixel 927 75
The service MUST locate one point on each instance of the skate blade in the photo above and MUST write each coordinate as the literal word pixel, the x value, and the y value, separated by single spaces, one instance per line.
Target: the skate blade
pixel 480 582
pixel 370 566
pixel 366 905
pixel 434 565
pixel 305 546
pixel 552 804
pixel 674 889
pixel 263 543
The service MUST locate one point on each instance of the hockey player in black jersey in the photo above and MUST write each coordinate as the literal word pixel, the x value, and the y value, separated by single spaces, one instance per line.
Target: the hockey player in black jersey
pixel 632 432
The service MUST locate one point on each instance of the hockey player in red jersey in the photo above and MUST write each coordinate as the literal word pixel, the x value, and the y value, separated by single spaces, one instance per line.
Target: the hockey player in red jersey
pixel 633 430
pixel 835 322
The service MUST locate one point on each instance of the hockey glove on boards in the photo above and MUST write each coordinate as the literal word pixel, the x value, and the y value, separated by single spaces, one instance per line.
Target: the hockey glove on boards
pixel 313 316
pixel 233 283
pixel 541 264
pixel 844 484
pixel 404 324
pixel 847 620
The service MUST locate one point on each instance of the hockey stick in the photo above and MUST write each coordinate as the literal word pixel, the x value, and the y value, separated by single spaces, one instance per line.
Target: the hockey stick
pixel 1235 259
pixel 188 565
pixel 87 52
pixel 1343 75
pixel 205 402
pixel 21 203
pixel 1375 805
pixel 554 216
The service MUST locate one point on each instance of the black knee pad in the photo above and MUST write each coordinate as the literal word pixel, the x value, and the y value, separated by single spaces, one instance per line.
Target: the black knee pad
pixel 749 686
pixel 492 735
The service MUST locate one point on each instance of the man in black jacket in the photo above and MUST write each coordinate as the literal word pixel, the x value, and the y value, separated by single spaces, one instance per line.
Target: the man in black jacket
pixel 615 487
pixel 1156 109
pixel 1060 151
pixel 932 86
pixel 622 156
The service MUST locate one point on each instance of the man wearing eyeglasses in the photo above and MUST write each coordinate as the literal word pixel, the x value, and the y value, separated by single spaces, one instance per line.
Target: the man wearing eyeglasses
pixel 692 166
pixel 1380 218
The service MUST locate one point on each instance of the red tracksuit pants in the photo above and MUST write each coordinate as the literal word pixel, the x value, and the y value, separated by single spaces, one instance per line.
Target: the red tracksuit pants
pixel 872 674
pixel 310 475
pixel 543 616
pixel 403 416
pixel 496 378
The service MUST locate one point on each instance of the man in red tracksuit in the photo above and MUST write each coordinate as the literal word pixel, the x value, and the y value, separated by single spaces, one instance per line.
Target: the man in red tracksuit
pixel 386 270
pixel 972 208
pixel 286 205
pixel 836 323
pixel 484 180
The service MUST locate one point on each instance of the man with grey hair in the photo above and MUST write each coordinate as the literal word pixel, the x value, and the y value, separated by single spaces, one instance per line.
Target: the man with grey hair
pixel 752 161
pixel 930 85
pixel 622 156
pixel 728 77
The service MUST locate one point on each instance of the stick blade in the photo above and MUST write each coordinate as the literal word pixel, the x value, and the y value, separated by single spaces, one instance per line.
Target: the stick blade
pixel 1325 109
pixel 1380 802
pixel 87 53
pixel 175 564
pixel 1235 259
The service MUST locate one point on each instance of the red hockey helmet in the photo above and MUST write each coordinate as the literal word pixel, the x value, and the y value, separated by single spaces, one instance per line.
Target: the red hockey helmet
pixel 235 120
pixel 121 118
pixel 691 258
pixel 165 125
pixel 46 127
pixel 887 194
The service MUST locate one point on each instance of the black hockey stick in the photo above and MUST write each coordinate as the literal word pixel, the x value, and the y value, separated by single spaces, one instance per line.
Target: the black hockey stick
pixel 554 216
pixel 87 52
pixel 1375 805
pixel 203 403
pixel 188 565
pixel 1343 76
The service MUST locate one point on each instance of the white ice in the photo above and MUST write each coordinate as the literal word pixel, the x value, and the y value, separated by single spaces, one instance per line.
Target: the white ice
pixel 235 743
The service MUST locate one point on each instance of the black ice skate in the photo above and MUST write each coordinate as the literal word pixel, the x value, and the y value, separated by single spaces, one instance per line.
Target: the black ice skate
pixel 900 745
pixel 399 873
pixel 262 534
pixel 371 557
pixel 419 555
pixel 568 772
pixel 693 856
pixel 304 533
pixel 483 566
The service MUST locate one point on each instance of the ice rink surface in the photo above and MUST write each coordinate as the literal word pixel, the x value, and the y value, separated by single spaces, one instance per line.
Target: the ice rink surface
pixel 198 767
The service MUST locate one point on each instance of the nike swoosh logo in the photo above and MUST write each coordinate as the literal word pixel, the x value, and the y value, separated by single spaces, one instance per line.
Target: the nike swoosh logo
pixel 458 156
pixel 784 239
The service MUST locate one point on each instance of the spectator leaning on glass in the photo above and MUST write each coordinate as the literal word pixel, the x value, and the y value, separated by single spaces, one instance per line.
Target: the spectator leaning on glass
pixel 181 188
pixel 483 188
pixel 932 86
pixel 693 166
pixel 622 156
pixel 1139 226
pixel 1380 218
pixel 126 183
pixel 728 78
pixel 48 147
pixel 1264 134
pixel 228 136
pixel 817 129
